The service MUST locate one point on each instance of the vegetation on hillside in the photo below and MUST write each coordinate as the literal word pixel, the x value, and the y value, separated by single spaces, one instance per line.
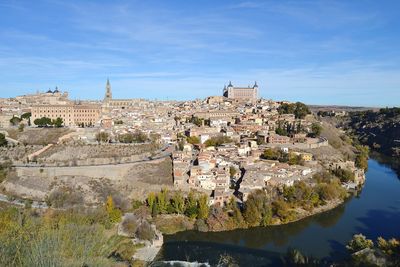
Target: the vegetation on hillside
pixel 379 130
pixel 300 110
pixel 367 253
pixel 136 137
pixel 47 122
pixel 277 154
pixel 217 141
pixel 260 209
pixel 60 238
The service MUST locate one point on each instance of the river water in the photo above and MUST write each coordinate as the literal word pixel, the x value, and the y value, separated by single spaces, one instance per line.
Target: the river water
pixel 375 211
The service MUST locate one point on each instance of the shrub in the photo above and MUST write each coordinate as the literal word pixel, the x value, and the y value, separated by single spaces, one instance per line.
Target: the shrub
pixel 102 137
pixel 359 242
pixel 65 197
pixel 3 140
pixel 200 225
pixel 129 224
pixel 344 175
pixel 145 231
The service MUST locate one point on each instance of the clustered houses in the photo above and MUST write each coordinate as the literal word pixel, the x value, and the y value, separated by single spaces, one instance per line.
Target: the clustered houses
pixel 218 141
pixel 272 173
pixel 247 127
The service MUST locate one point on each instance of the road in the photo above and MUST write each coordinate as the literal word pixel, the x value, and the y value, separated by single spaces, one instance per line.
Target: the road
pixel 22 203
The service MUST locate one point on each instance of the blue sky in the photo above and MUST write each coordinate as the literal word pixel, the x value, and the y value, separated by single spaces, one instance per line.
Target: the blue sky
pixel 318 52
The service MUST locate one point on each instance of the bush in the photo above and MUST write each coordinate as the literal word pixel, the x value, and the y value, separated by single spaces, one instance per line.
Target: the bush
pixel 65 197
pixel 102 137
pixel 129 224
pixel 316 129
pixel 217 141
pixel 59 238
pixel 359 242
pixel 299 109
pixel 281 209
pixel 137 137
pixel 193 140
pixel 43 122
pixel 257 209
pixel 114 214
pixel 15 120
pixel 330 191
pixel 3 140
pixel 145 231
pixel 344 175
pixel 271 154
pixel 200 225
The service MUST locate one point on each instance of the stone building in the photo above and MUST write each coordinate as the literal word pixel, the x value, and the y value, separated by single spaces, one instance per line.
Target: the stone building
pixel 109 103
pixel 72 114
pixel 241 93
pixel 50 97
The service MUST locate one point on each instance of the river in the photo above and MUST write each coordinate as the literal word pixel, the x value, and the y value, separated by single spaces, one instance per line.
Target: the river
pixel 374 212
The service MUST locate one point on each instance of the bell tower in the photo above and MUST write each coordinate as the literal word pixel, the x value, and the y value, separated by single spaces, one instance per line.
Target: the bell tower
pixel 108 95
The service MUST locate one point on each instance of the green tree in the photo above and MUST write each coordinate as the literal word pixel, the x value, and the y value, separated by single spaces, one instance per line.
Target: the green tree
pixel 191 206
pixel 252 213
pixel 281 131
pixel 203 209
pixel 178 203
pixel 3 140
pixel 344 175
pixel 390 247
pixel 237 215
pixel 266 216
pixel 359 242
pixel 282 210
pixel 58 122
pixel 316 129
pixel 217 141
pixel 126 138
pixel 197 121
pixel 102 137
pixel 194 140
pixel 361 162
pixel 114 214
pixel 151 199
pixel 139 137
pixel 300 110
pixel 26 115
pixel 232 171
pixel 162 201
pixel 15 120
pixel 271 154
pixel 43 122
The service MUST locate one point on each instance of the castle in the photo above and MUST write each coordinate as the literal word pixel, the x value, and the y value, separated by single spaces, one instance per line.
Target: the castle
pixel 241 93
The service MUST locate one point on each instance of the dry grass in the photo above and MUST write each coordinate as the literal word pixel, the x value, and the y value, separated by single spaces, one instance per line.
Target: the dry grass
pixel 172 223
pixel 38 136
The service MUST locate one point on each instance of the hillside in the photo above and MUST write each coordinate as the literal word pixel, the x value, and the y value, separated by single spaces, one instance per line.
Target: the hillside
pixel 380 129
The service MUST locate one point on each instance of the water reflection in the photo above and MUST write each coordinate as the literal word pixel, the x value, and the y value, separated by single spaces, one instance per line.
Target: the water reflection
pixel 380 223
pixel 258 237
pixel 390 162
pixel 374 212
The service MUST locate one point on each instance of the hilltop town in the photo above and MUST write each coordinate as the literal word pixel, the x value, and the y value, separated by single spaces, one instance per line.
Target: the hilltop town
pixel 224 146
pixel 220 163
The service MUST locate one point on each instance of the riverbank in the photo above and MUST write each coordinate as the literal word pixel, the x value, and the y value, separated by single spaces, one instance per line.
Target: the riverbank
pixel 170 224
pixel 323 235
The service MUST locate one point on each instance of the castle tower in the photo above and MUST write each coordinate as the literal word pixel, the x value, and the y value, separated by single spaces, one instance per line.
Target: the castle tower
pixel 108 95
